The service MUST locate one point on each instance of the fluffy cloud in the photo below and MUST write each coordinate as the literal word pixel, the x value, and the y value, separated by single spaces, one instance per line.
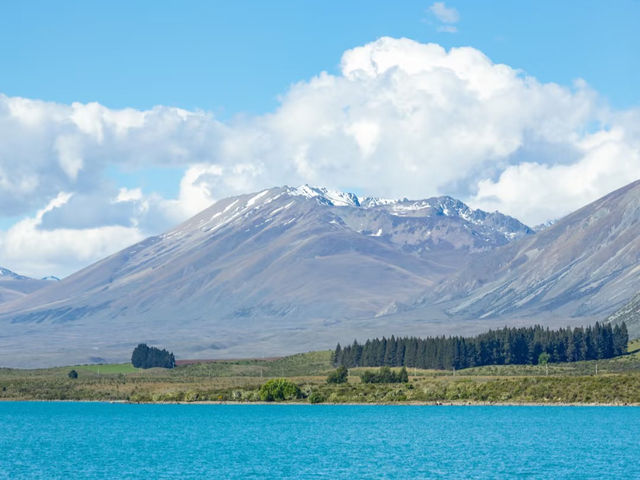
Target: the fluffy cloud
pixel 40 252
pixel 538 191
pixel 46 147
pixel 400 119
pixel 444 13
pixel 448 16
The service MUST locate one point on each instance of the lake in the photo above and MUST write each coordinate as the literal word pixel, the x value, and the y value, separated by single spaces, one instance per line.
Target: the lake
pixel 114 441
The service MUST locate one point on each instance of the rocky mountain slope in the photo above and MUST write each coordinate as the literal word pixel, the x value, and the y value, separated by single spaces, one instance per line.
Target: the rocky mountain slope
pixel 279 271
pixel 585 265
pixel 293 269
pixel 630 314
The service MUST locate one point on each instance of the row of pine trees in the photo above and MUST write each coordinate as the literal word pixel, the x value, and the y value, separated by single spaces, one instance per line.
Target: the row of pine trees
pixel 495 347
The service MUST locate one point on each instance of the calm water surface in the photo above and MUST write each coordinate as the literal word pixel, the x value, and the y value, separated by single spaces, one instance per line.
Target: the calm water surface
pixel 103 441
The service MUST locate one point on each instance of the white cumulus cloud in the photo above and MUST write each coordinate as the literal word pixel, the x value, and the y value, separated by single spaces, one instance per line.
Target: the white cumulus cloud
pixel 401 118
pixel 40 252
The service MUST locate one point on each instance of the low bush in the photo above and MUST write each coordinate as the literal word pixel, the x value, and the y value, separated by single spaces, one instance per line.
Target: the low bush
pixel 385 375
pixel 279 389
pixel 340 375
pixel 316 397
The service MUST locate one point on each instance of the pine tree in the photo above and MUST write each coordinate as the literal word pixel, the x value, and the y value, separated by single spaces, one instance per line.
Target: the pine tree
pixel 620 339
pixel 336 356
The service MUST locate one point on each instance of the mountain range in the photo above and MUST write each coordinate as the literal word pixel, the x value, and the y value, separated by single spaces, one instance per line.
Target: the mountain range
pixel 14 286
pixel 291 269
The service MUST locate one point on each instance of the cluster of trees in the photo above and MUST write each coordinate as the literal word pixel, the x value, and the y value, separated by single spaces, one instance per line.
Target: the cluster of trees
pixel 385 375
pixel 149 357
pixel 495 347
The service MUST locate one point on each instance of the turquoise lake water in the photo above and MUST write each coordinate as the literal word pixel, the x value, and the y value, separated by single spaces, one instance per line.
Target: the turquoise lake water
pixel 105 441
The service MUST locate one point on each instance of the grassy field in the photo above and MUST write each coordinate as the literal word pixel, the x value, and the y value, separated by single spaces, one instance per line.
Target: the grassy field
pixel 107 369
pixel 302 364
pixel 617 382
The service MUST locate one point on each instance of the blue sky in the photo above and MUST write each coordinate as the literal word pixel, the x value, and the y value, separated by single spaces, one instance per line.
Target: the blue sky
pixel 231 57
pixel 119 119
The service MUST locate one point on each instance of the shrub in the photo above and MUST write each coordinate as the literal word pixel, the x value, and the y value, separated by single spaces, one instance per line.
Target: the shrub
pixel 316 397
pixel 385 375
pixel 72 374
pixel 279 389
pixel 340 375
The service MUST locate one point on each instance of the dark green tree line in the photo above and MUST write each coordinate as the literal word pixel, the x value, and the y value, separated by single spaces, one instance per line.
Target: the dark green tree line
pixel 496 347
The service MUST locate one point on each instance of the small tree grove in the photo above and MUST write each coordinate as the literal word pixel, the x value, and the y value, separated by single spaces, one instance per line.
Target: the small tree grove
pixel 144 356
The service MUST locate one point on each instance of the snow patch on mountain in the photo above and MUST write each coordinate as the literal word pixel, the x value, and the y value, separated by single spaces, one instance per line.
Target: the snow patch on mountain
pixel 368 202
pixel 325 195
pixel 5 273
pixel 507 227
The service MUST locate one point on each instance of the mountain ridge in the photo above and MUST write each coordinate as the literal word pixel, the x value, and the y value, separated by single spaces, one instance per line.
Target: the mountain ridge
pixel 585 261
pixel 14 286
pixel 280 260
pixel 289 269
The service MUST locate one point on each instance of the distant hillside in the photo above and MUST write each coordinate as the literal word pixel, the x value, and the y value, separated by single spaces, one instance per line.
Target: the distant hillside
pixel 296 269
pixel 274 272
pixel 14 286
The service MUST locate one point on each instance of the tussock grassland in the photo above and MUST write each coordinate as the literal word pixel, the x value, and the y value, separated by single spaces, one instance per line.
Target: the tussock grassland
pixel 617 382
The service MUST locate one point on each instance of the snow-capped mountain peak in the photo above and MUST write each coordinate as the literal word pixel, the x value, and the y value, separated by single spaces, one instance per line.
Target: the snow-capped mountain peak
pixel 325 195
pixel 369 202
pixel 497 225
pixel 5 273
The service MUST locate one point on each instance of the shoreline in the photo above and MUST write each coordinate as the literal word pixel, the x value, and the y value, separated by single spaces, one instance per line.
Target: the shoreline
pixel 346 404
